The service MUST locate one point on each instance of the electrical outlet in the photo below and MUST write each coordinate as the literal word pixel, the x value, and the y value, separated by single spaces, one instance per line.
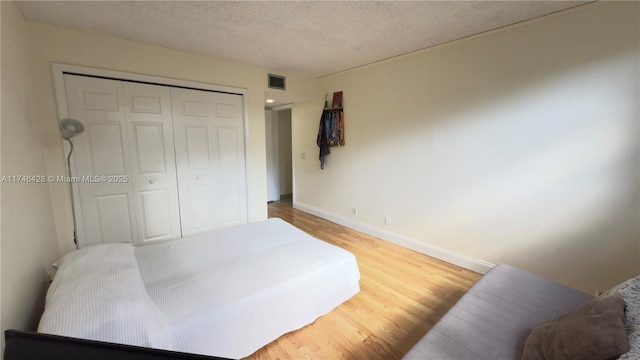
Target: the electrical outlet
pixel 387 220
pixel 354 211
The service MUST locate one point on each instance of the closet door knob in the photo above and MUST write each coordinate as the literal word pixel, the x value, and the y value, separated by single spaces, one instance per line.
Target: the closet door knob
pixel 152 181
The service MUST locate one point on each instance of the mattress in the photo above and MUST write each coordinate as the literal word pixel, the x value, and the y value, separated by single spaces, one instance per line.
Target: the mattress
pixel 230 292
pixel 226 293
pixel 493 319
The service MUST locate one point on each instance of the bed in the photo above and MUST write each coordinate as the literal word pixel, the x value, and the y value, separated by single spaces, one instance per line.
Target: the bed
pixel 225 293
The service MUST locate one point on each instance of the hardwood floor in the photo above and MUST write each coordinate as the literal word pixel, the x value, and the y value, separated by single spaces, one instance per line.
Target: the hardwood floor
pixel 402 294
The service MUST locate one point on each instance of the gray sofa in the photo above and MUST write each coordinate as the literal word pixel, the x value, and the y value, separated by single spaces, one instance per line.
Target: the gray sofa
pixel 493 319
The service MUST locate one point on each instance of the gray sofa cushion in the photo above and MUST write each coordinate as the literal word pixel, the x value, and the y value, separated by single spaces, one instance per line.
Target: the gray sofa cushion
pixel 493 319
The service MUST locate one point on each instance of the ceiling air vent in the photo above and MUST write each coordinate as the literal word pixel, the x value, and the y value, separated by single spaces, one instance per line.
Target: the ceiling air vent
pixel 277 82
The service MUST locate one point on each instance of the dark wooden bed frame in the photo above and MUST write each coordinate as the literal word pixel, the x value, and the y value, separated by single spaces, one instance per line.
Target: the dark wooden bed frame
pixel 22 345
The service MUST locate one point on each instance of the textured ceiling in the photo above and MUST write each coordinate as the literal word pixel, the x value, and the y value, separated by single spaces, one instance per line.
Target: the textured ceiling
pixel 308 38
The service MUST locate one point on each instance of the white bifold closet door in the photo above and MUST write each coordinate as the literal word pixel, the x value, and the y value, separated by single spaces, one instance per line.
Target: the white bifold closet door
pixel 125 161
pixel 130 135
pixel 209 139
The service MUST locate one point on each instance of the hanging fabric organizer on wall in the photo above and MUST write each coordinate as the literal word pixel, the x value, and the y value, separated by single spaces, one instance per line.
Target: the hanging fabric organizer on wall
pixel 331 129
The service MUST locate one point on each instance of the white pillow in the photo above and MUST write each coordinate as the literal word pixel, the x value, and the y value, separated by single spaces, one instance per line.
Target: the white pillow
pixel 630 293
pixel 98 294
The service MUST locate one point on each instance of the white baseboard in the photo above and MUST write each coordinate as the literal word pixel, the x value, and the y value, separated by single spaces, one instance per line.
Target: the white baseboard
pixel 452 257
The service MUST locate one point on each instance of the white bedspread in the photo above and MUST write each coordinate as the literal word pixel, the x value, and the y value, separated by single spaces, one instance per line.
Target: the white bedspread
pixel 230 292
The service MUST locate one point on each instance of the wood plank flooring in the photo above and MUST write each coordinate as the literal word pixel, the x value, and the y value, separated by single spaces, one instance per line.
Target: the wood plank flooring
pixel 402 294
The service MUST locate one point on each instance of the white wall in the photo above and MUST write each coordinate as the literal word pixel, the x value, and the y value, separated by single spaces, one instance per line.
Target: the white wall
pixel 273 157
pixel 284 152
pixel 520 146
pixel 86 48
pixel 29 245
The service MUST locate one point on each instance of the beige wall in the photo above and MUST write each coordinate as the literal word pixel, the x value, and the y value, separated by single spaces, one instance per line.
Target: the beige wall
pixel 81 47
pixel 520 146
pixel 28 238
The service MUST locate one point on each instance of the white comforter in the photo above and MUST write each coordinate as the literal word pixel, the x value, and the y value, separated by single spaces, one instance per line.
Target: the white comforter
pixel 229 292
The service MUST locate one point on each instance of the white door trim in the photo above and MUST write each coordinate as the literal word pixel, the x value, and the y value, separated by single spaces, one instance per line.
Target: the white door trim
pixel 59 69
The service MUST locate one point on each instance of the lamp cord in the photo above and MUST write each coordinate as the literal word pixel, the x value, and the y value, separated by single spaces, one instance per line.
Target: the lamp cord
pixel 73 209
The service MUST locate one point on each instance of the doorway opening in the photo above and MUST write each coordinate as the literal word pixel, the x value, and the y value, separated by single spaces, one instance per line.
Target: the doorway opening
pixel 279 155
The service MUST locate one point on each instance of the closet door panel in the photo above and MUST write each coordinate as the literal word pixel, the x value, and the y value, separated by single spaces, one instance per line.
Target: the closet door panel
pixel 191 120
pixel 105 210
pixel 209 135
pixel 198 207
pixel 104 141
pixel 230 201
pixel 114 218
pixel 229 151
pixel 153 170
pixel 197 141
pixel 201 210
pixel 156 208
pixel 150 148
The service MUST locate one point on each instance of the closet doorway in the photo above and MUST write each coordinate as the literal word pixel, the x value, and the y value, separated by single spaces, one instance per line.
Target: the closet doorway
pixel 279 155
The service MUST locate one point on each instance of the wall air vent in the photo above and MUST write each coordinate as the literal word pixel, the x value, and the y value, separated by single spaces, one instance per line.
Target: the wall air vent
pixel 277 82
